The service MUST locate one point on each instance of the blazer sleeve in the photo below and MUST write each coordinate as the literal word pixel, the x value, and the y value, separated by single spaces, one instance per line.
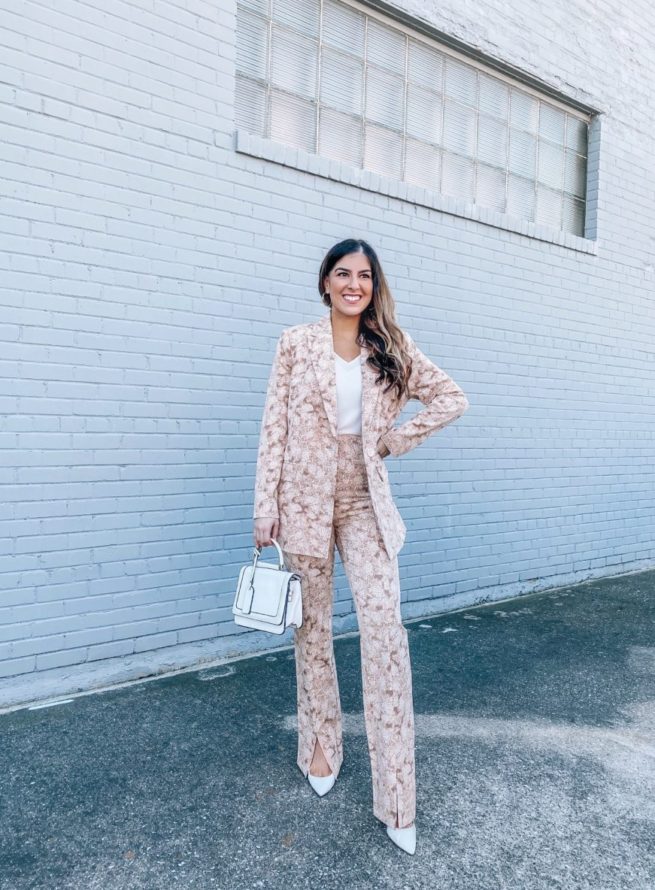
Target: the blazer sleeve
pixel 273 434
pixel 443 399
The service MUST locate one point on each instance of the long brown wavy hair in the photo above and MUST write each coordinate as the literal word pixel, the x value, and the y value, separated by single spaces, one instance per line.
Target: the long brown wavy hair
pixel 377 324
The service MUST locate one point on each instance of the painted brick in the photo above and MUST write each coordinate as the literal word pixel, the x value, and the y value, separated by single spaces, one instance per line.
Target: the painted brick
pixel 12 667
pixel 148 268
pixel 61 658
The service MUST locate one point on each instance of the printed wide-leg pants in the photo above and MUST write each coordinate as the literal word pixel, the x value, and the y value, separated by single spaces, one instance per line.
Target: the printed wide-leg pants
pixel 386 669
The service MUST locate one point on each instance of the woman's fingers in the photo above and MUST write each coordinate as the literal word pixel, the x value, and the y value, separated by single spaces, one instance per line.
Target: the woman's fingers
pixel 264 531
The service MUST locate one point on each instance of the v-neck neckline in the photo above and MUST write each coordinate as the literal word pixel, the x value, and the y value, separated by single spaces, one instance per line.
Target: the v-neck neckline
pixel 345 361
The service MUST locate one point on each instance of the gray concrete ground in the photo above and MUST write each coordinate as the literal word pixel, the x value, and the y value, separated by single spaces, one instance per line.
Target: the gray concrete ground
pixel 535 744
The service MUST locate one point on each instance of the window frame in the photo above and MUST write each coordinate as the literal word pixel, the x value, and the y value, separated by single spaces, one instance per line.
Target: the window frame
pixel 254 145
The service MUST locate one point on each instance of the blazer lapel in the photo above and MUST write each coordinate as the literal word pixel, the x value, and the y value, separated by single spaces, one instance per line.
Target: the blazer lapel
pixel 370 395
pixel 321 349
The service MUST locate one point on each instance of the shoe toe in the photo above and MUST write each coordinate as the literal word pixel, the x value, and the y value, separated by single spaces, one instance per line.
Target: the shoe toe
pixel 405 838
pixel 321 784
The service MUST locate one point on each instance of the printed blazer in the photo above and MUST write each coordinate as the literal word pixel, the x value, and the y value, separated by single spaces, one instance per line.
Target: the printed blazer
pixel 297 458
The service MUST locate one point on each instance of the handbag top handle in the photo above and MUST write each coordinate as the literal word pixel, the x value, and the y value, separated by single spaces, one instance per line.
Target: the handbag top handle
pixel 258 552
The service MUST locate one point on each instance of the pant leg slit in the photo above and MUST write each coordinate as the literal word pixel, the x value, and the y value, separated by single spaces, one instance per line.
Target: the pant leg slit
pixel 318 703
pixel 386 670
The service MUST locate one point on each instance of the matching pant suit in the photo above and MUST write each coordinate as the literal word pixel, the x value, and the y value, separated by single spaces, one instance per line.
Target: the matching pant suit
pixel 331 490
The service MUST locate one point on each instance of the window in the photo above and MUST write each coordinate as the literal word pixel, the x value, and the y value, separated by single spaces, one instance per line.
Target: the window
pixel 340 81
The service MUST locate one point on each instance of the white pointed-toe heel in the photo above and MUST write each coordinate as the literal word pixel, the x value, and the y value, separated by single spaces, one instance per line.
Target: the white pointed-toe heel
pixel 321 784
pixel 405 838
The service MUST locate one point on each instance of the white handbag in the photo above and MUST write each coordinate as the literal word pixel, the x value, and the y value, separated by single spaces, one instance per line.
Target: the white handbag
pixel 268 597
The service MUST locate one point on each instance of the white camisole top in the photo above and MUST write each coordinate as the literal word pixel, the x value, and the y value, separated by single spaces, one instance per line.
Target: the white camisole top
pixel 349 395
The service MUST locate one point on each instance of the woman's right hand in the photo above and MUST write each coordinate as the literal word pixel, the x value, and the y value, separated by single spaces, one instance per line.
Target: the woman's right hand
pixel 266 528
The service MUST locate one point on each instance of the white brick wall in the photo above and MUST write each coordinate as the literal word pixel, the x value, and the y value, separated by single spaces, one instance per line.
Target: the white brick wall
pixel 148 268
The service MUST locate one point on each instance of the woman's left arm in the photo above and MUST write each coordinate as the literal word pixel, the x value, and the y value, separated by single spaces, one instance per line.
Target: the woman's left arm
pixel 273 433
pixel 443 399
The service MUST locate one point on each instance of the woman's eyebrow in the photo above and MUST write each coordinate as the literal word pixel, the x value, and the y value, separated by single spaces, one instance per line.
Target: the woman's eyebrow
pixel 343 269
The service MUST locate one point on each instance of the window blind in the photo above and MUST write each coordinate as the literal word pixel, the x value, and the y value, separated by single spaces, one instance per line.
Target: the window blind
pixel 335 80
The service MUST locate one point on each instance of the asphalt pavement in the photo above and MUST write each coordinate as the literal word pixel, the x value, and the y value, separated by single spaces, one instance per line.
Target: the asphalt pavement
pixel 535 753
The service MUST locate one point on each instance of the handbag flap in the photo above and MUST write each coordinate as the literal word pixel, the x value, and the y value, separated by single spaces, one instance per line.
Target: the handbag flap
pixel 267 598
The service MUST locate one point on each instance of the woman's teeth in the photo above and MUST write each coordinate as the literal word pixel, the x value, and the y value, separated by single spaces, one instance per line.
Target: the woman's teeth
pixel 350 299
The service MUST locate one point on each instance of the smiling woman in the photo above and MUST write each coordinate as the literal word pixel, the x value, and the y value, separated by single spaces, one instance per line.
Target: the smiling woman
pixel 335 390
pixel 351 283
pixel 354 286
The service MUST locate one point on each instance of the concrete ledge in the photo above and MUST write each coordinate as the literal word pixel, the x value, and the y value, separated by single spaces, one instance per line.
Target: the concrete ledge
pixel 256 146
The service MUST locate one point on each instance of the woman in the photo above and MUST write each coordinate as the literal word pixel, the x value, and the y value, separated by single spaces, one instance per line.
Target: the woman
pixel 336 387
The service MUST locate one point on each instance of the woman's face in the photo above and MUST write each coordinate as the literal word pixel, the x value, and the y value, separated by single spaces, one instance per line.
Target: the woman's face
pixel 350 284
